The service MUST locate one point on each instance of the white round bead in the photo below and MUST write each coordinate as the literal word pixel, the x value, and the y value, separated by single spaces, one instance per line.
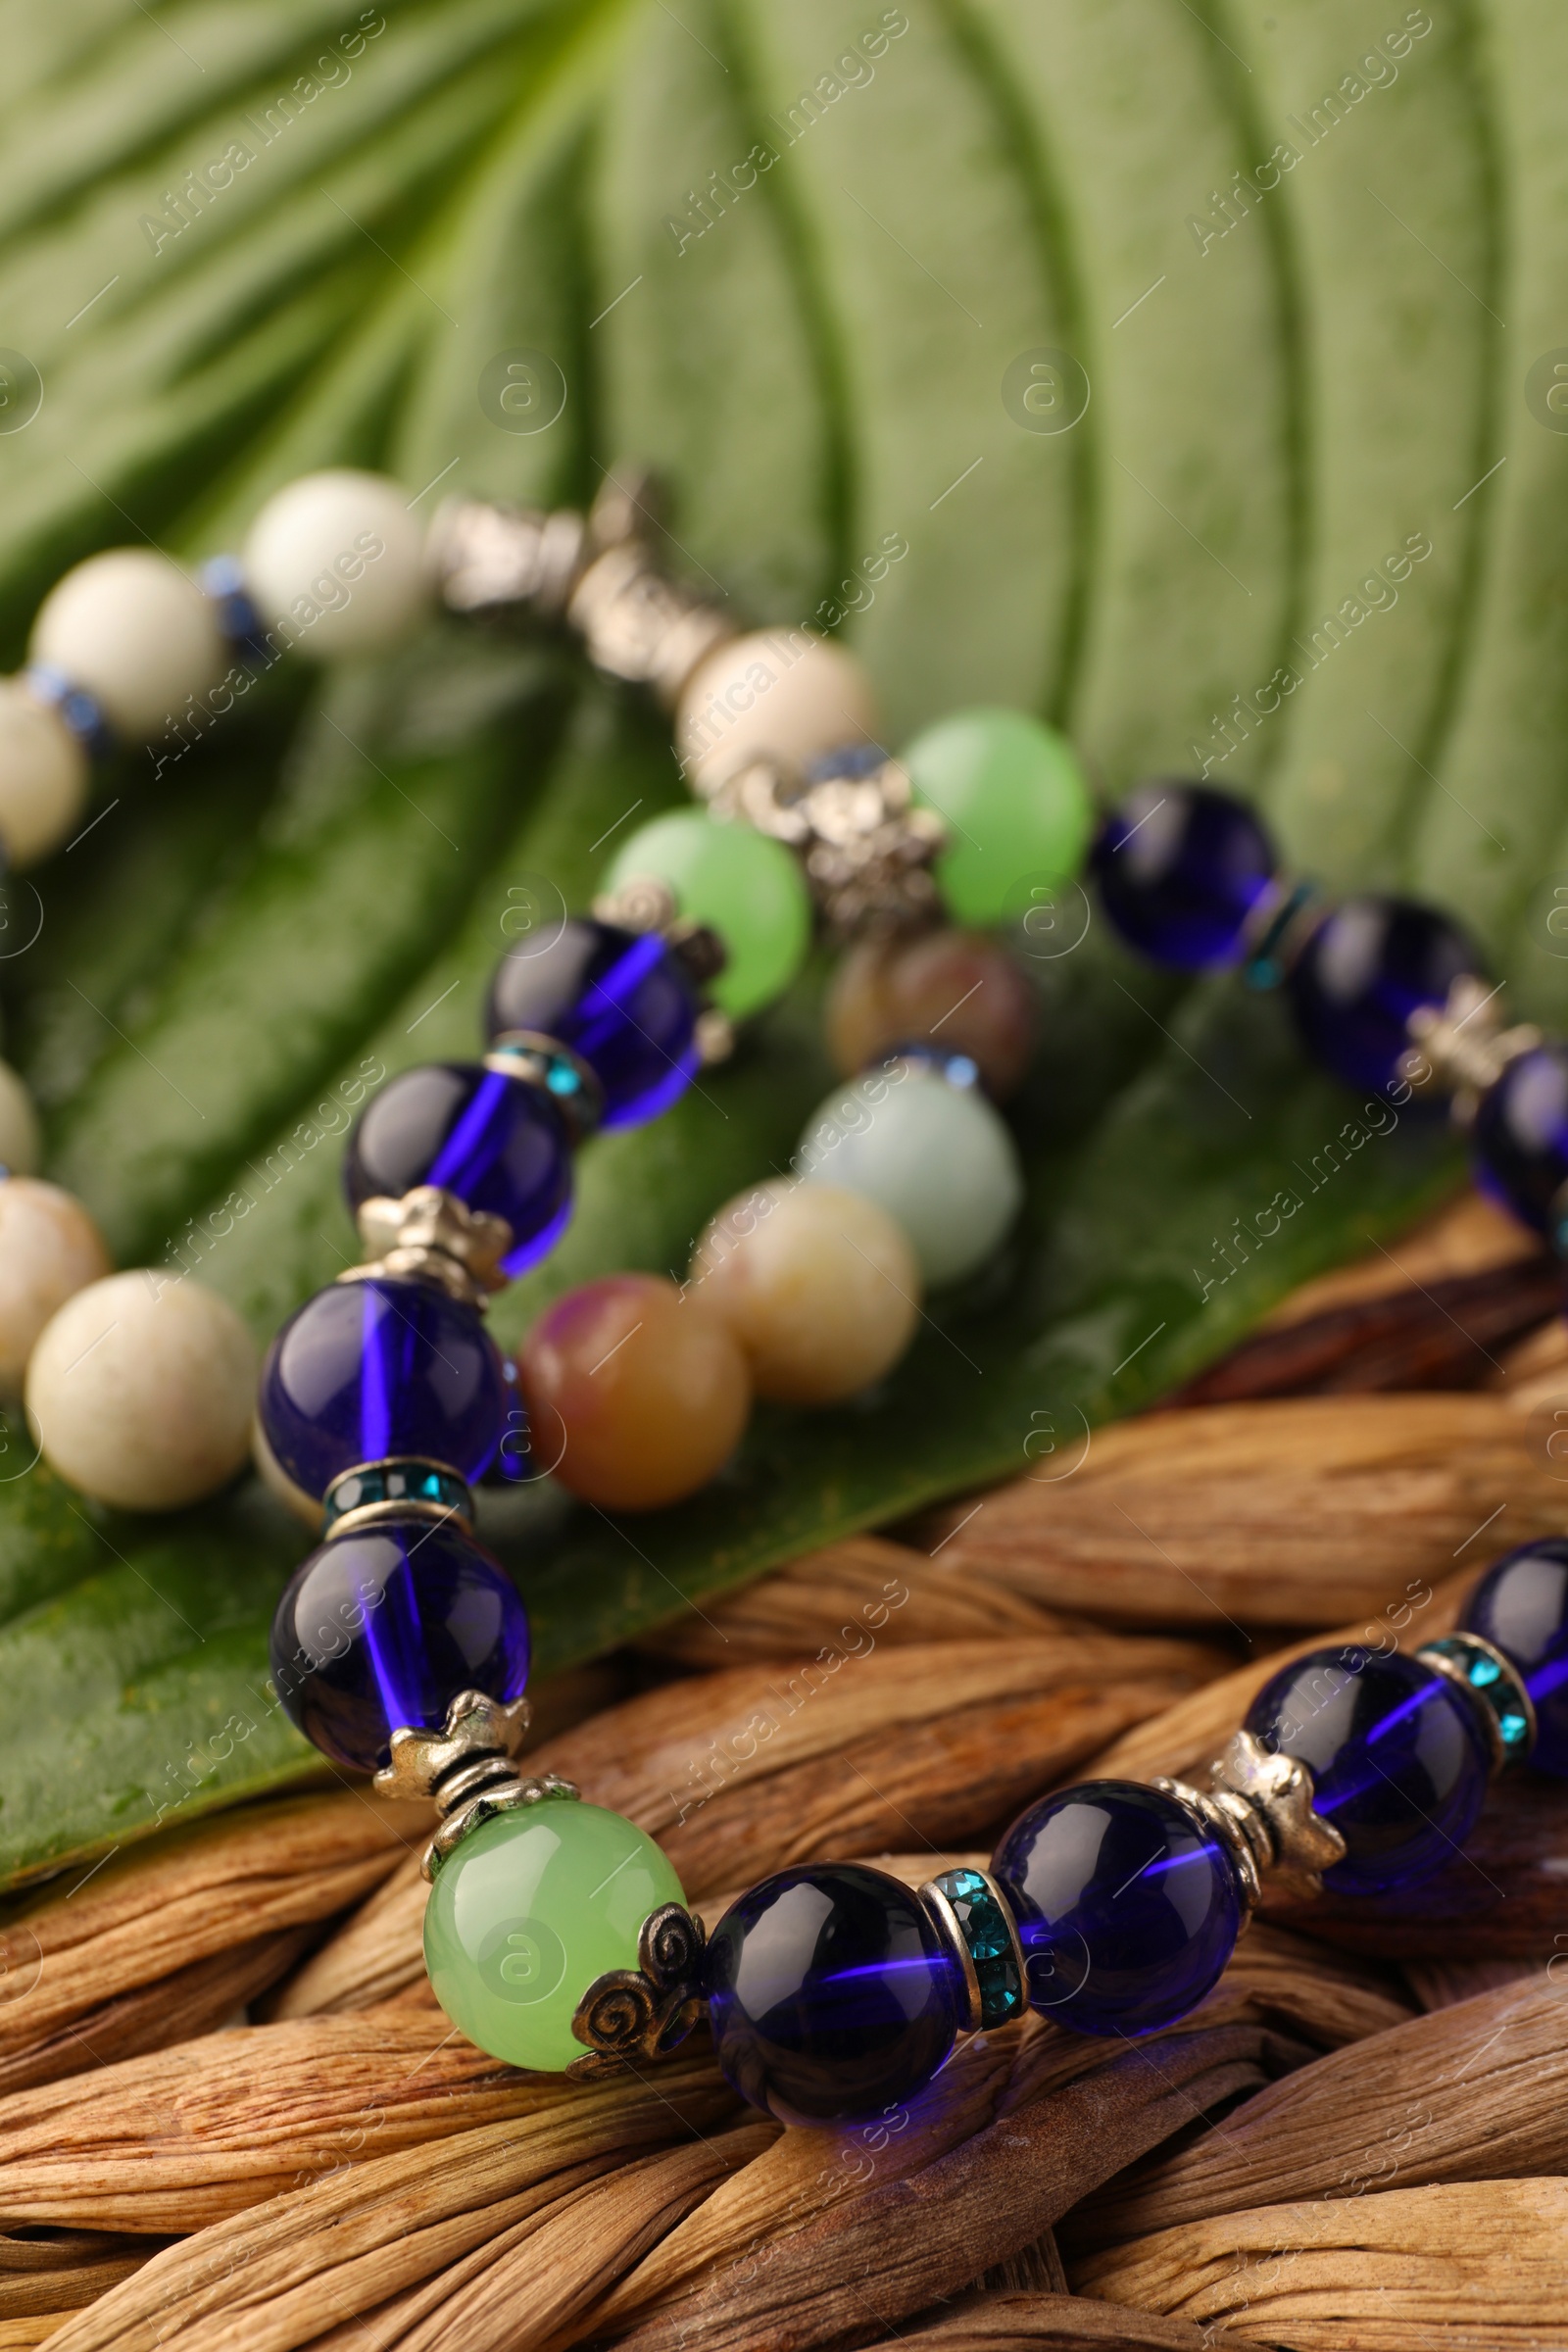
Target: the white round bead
pixel 43 775
pixel 136 631
pixel 140 1391
pixel 935 1155
pixel 336 563
pixel 20 1141
pixel 779 694
pixel 818 1285
pixel 49 1249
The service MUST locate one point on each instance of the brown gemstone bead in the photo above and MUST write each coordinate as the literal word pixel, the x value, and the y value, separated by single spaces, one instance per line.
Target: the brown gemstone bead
pixel 961 989
pixel 650 1388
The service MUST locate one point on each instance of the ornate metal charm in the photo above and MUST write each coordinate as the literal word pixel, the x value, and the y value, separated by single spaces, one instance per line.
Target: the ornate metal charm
pixel 469 1768
pixel 866 848
pixel 431 1235
pixel 642 2013
pixel 1464 1048
pixel 1259 1805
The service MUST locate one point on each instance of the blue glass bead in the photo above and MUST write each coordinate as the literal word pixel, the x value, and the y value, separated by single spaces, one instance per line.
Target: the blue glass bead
pixel 497 1143
pixel 1128 1908
pixel 369 1369
pixel 1360 976
pixel 1398 1758
pixel 1520 1139
pixel 1521 1607
pixel 1180 868
pixel 830 1993
pixel 384 1626
pixel 621 1000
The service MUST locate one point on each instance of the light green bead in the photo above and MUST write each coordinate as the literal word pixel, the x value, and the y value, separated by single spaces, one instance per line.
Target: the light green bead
pixel 739 883
pixel 935 1155
pixel 526 1912
pixel 1017 806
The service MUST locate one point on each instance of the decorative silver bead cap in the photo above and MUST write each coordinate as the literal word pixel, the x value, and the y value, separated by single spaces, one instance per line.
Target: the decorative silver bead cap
pixel 431 1235
pixel 470 1767
pixel 1260 1806
pixel 866 848
pixel 1462 1048
pixel 642 2013
pixel 1495 1689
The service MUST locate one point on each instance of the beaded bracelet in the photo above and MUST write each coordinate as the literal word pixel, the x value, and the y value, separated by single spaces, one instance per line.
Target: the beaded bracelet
pixel 556 1934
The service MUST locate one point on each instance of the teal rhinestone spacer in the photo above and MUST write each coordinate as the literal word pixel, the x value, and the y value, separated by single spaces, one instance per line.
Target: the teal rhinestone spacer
pixel 1277 935
pixel 387 1490
pixel 535 1060
pixel 977 1923
pixel 1497 1689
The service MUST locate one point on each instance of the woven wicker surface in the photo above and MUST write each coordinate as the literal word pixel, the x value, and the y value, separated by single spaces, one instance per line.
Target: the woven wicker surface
pixel 1356 2142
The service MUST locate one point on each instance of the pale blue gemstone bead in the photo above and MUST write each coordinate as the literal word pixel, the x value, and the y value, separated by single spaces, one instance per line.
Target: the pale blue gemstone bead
pixel 934 1154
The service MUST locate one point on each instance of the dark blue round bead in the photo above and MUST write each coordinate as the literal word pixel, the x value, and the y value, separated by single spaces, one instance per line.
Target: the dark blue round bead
pixel 1360 976
pixel 1521 1607
pixel 497 1143
pixel 621 1000
pixel 1520 1138
pixel 830 1993
pixel 1180 868
pixel 1398 1758
pixel 366 1370
pixel 1128 1908
pixel 384 1626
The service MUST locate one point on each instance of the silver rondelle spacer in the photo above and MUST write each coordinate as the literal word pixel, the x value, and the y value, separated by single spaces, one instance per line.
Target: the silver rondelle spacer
pixel 470 1767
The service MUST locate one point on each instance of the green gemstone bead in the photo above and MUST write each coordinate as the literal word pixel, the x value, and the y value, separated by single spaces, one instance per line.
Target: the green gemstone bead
pixel 1017 806
pixel 526 1912
pixel 742 885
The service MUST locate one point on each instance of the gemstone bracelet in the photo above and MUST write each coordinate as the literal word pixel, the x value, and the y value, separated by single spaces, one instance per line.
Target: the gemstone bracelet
pixel 556 1934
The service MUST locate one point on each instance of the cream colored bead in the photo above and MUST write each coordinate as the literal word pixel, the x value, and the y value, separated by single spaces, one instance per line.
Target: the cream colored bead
pixel 780 694
pixel 140 1391
pixel 49 1249
pixel 43 775
pixel 818 1285
pixel 137 632
pixel 18 1126
pixel 336 564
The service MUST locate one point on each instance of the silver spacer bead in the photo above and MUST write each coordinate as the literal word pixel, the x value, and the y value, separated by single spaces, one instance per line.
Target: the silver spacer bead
pixel 866 848
pixel 490 559
pixel 469 1768
pixel 946 1920
pixel 1462 1048
pixel 1259 1805
pixel 431 1235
